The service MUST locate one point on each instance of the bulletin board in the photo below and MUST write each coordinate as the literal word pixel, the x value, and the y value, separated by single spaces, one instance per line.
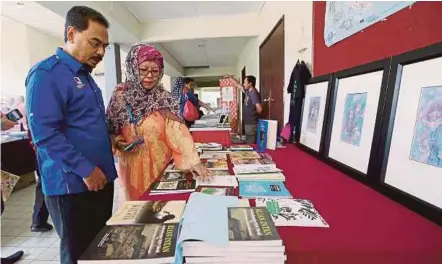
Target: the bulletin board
pixel 229 100
pixel 406 30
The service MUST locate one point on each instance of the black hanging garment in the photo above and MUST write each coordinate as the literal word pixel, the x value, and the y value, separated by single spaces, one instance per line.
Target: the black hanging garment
pixel 299 78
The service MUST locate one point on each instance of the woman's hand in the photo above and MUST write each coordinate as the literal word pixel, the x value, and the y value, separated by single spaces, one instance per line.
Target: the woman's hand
pixel 199 170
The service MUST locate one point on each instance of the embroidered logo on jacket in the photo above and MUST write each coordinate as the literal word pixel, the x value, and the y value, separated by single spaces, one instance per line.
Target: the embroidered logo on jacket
pixel 80 84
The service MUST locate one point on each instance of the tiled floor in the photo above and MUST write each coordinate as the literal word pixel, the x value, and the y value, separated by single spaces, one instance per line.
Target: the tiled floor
pixel 16 235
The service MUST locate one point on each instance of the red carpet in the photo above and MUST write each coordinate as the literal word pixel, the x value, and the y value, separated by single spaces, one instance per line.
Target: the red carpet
pixel 365 226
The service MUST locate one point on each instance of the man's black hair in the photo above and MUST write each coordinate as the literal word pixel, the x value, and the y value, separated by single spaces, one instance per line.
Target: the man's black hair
pixel 251 79
pixel 79 16
pixel 188 80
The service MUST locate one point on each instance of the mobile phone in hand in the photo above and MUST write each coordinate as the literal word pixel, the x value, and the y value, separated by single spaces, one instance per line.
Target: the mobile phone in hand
pixel 133 145
pixel 14 115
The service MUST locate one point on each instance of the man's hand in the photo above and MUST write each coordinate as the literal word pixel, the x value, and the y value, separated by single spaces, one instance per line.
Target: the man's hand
pixel 96 180
pixel 6 123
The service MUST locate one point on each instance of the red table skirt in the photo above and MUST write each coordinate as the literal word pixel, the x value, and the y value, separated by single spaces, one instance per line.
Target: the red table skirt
pixel 365 226
pixel 221 137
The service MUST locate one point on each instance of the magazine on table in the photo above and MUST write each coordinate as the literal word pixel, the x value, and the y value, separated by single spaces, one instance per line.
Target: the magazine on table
pixel 263 189
pixel 292 212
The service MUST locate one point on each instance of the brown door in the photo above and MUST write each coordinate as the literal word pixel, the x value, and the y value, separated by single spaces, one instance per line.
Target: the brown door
pixel 271 74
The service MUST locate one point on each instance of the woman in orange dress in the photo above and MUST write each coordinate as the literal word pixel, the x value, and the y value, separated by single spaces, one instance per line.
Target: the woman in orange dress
pixel 141 110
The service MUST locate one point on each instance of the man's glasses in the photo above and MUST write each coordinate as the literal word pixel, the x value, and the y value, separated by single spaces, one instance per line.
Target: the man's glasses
pixel 96 44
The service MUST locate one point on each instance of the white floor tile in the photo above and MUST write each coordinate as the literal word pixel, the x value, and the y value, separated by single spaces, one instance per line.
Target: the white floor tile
pixel 49 254
pixel 25 261
pixel 16 241
pixel 31 242
pixel 47 242
pixel 7 251
pixel 44 262
pixel 6 239
pixel 32 253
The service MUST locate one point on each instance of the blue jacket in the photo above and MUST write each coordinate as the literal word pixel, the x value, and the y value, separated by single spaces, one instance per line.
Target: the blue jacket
pixel 68 125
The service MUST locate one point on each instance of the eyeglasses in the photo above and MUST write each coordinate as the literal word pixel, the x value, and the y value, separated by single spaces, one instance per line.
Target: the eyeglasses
pixel 96 44
pixel 153 72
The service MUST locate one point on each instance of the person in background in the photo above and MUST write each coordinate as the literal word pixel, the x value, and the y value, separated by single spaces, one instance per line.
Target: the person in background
pixel 6 124
pixel 21 106
pixel 190 85
pixel 199 109
pixel 40 215
pixel 68 126
pixel 141 112
pixel 252 106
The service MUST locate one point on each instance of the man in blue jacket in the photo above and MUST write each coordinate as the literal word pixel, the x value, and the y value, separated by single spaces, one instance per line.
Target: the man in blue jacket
pixel 68 127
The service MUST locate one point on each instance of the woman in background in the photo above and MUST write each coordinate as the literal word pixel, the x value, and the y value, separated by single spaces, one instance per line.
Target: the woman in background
pixel 141 112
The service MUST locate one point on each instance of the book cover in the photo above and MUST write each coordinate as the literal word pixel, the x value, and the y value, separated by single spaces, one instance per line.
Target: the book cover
pixel 148 212
pixel 8 182
pixel 251 170
pixel 220 173
pixel 216 190
pixel 172 168
pixel 254 163
pixel 262 189
pixel 251 224
pixel 239 155
pixel 261 176
pixel 241 148
pixel 121 243
pixel 214 156
pixel 215 164
pixel 174 176
pixel 292 212
pixel 218 181
pixel 170 186
pixel 261 135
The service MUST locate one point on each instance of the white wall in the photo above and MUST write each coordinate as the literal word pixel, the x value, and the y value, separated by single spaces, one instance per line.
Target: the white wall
pixel 21 48
pixel 14 58
pixel 41 45
pixel 298 23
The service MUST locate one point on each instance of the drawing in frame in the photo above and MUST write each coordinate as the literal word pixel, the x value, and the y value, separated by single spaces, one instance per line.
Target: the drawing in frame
pixel 314 114
pixel 355 117
pixel 411 156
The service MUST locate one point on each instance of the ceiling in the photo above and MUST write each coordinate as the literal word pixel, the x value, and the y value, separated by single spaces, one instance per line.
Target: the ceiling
pixel 35 15
pixel 214 52
pixel 146 11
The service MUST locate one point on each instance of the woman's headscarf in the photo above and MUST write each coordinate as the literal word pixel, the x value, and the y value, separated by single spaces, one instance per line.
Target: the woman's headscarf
pixel 131 95
pixel 177 88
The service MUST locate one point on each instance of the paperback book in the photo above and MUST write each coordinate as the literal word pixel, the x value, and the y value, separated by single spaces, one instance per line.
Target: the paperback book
pixel 167 187
pixel 263 189
pixel 239 155
pixel 148 212
pixel 215 164
pixel 174 176
pixel 259 170
pixel 133 244
pixel 241 148
pixel 293 212
pixel 277 176
pixel 214 156
pixel 216 190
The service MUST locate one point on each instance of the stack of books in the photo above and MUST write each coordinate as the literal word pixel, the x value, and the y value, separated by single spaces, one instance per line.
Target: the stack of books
pixel 173 181
pixel 139 232
pixel 252 236
pixel 241 148
pixel 251 159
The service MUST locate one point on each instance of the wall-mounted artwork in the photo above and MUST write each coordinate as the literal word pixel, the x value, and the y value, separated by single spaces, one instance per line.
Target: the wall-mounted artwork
pixel 314 113
pixel 354 115
pixel 353 120
pixel 412 131
pixel 426 146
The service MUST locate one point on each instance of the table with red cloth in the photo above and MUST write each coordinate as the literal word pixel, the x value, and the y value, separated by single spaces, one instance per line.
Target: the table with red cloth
pixel 212 135
pixel 365 226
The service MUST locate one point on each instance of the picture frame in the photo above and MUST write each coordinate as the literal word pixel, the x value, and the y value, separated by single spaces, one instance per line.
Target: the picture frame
pixel 410 120
pixel 315 114
pixel 354 120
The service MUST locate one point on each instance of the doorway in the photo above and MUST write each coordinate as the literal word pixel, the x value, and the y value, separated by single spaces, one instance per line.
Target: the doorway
pixel 271 74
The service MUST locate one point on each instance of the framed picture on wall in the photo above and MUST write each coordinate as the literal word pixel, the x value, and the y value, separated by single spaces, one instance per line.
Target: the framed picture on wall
pixel 411 153
pixel 355 116
pixel 314 114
